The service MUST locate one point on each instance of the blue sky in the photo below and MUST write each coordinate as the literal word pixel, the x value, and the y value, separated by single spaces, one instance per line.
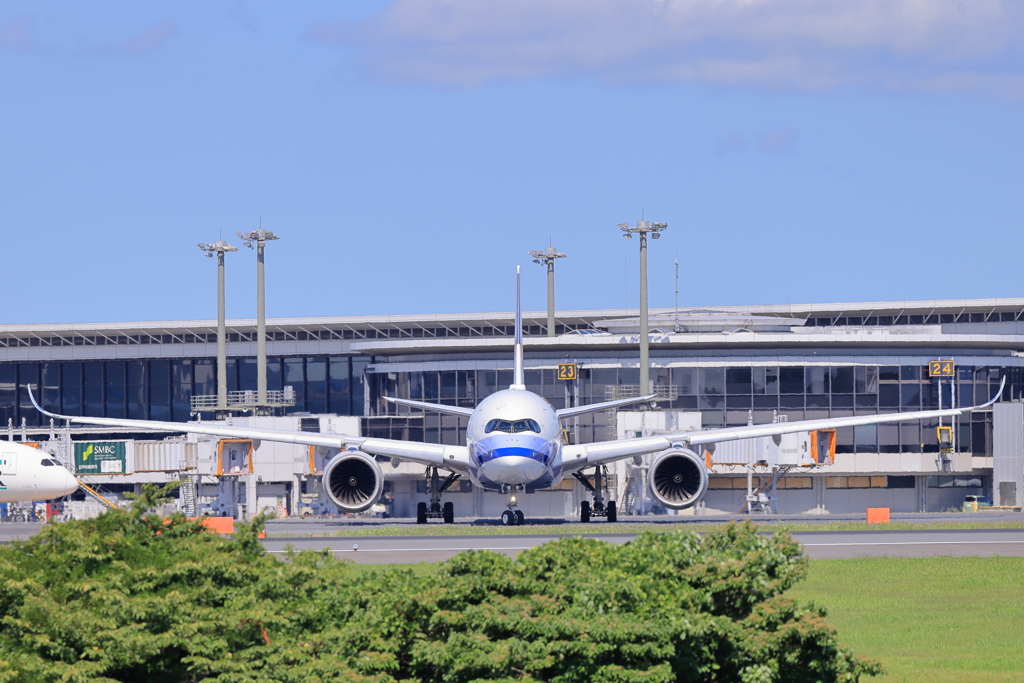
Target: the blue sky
pixel 409 153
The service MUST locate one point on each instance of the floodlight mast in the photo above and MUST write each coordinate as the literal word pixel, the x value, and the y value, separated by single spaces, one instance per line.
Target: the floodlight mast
pixel 220 248
pixel 260 238
pixel 643 227
pixel 547 258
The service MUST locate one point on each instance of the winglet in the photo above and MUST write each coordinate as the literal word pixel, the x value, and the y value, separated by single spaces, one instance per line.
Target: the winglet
pixel 32 398
pixel 518 375
pixel 1002 385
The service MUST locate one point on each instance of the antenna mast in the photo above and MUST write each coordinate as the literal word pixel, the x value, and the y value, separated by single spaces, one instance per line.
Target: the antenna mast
pixel 677 293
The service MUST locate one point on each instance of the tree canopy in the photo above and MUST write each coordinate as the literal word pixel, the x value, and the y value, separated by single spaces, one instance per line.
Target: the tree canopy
pixel 129 596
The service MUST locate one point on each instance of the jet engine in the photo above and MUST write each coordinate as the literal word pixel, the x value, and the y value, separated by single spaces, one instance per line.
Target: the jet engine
pixel 353 481
pixel 678 478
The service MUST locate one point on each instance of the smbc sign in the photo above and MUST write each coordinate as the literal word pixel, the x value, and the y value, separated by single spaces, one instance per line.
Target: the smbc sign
pixel 100 457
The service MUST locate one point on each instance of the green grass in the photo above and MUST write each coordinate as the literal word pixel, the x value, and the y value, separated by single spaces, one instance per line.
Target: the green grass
pixel 929 620
pixel 575 529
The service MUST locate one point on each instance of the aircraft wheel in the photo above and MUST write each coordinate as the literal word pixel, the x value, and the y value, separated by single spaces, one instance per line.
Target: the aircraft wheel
pixel 508 518
pixel 421 513
pixel 449 513
pixel 520 518
pixel 613 513
pixel 585 511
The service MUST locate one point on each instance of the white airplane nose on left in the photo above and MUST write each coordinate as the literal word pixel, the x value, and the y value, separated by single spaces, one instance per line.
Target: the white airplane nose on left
pixel 55 482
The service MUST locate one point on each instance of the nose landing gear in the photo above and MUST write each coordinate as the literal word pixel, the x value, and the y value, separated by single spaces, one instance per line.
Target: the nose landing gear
pixel 599 509
pixel 513 516
pixel 435 487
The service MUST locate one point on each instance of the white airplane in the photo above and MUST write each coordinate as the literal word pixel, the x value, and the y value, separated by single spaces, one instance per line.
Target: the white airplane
pixel 514 441
pixel 28 473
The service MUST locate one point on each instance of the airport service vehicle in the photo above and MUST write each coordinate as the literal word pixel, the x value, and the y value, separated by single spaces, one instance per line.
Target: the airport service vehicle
pixel 514 440
pixel 27 474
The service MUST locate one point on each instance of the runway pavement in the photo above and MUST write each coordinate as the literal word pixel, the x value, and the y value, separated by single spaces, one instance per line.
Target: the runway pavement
pixel 818 545
pixel 412 549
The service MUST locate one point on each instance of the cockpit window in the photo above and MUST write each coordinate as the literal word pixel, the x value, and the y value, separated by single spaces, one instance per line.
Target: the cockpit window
pixel 512 426
pixel 48 463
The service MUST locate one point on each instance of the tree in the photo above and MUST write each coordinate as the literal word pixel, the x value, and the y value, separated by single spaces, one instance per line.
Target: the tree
pixel 130 597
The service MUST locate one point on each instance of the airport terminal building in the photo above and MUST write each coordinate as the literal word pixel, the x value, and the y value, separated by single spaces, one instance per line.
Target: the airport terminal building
pixel 726 366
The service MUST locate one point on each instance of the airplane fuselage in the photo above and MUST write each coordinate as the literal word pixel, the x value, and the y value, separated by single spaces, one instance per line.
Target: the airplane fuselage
pixel 514 439
pixel 28 474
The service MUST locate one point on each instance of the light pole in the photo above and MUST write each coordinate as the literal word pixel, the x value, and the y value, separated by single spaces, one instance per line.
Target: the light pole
pixel 643 227
pixel 260 238
pixel 547 258
pixel 220 248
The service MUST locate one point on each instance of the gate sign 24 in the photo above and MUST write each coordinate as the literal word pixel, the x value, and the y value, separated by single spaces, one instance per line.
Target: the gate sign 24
pixel 941 368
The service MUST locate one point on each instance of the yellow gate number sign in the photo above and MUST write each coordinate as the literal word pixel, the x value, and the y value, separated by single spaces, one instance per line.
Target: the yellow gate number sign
pixel 941 368
pixel 567 371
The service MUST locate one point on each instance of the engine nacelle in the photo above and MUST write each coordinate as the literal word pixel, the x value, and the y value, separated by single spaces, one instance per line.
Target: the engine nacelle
pixel 353 481
pixel 678 478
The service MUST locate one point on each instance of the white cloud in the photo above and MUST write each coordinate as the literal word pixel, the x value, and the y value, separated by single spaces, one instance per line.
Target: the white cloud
pixel 787 44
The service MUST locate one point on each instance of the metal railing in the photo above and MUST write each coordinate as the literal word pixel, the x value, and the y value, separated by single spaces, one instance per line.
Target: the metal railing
pixel 242 400
pixel 662 392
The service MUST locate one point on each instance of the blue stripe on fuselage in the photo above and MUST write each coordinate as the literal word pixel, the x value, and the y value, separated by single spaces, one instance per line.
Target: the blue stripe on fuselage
pixel 513 450
pixel 535 448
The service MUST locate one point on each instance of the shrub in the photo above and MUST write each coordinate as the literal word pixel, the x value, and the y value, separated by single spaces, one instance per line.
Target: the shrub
pixel 131 597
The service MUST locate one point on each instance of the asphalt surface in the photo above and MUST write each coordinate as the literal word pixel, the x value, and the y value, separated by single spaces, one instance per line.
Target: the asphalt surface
pixel 330 534
pixel 817 544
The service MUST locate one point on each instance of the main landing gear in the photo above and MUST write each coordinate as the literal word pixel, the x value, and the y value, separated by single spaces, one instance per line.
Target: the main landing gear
pixel 597 487
pixel 435 487
pixel 513 516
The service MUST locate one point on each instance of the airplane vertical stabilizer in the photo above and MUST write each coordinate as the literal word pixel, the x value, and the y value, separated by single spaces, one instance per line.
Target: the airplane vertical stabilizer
pixel 518 376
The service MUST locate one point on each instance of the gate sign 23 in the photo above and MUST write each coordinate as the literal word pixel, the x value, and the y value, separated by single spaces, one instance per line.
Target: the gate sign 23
pixel 567 371
pixel 941 368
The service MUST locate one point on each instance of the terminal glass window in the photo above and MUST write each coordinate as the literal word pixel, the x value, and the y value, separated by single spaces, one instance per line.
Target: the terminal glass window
pixel 889 373
pixel 28 373
pixel 135 390
pixel 71 391
pixel 738 380
pixel 712 380
pixel 115 382
pixel 92 388
pixel 274 374
pixel 841 380
pixel 866 379
pixel 889 396
pixel 246 374
pixel 8 393
pixel 181 390
pixel 817 380
pixel 160 390
pixel 686 380
pixel 316 385
pixel 51 386
pixel 358 366
pixel 204 377
pixel 791 380
pixel 340 398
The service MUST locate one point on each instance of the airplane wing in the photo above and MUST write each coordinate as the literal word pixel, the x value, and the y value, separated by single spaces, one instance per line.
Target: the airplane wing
pixel 436 407
pixel 437 455
pixel 583 455
pixel 595 407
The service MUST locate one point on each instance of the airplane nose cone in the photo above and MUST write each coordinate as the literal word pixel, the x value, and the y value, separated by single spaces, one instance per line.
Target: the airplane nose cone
pixel 56 483
pixel 70 484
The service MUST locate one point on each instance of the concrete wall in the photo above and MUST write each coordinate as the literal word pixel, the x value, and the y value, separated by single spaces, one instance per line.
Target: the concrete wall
pixel 1008 453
